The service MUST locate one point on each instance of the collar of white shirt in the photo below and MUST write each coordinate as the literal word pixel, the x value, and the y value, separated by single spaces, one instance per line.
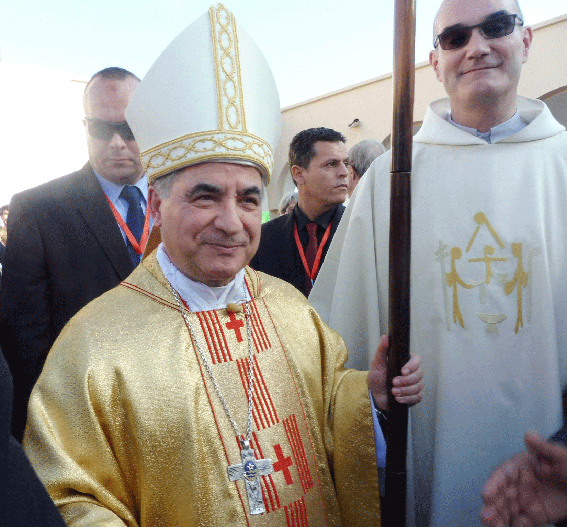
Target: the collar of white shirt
pixel 198 296
pixel 499 132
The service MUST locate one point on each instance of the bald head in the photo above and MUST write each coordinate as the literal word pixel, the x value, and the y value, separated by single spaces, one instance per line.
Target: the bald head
pixel 481 73
pixel 114 155
pixel 512 6
pixel 93 87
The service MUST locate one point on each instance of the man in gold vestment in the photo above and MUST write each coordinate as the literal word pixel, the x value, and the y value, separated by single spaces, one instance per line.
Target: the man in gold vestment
pixel 199 392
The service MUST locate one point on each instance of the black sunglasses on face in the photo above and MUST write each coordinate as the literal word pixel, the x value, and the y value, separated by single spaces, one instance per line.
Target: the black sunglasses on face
pixel 495 26
pixel 105 130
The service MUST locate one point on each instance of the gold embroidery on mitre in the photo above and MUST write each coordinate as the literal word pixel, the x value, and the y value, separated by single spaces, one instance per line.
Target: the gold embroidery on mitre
pixel 204 146
pixel 227 70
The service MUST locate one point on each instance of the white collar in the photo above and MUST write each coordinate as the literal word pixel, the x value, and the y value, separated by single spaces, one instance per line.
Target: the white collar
pixel 501 131
pixel 199 296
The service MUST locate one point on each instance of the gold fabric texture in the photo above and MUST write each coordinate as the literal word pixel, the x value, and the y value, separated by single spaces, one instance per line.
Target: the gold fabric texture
pixel 125 428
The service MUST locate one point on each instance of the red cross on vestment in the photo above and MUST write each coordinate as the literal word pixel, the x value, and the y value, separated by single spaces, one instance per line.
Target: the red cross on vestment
pixel 282 464
pixel 236 325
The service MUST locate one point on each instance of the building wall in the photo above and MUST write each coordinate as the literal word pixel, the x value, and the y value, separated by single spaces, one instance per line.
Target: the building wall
pixel 544 76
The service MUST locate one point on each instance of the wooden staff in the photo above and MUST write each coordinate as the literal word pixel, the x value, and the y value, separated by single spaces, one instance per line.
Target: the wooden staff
pixel 403 78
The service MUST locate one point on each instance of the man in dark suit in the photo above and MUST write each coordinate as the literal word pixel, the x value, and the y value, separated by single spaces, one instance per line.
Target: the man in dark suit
pixel 68 240
pixel 293 246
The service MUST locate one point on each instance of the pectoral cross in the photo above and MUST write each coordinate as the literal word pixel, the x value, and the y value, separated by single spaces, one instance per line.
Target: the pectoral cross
pixel 250 470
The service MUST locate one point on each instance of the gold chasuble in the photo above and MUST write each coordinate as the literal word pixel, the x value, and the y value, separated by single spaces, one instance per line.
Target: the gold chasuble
pixel 125 426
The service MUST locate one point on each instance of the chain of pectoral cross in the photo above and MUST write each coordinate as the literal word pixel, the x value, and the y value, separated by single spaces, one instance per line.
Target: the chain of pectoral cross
pixel 251 468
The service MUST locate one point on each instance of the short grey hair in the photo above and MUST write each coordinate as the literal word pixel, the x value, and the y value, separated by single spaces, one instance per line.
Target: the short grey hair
pixel 287 199
pixel 361 155
pixel 163 184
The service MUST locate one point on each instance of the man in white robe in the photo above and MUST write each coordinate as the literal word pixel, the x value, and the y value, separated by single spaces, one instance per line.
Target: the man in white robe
pixel 488 257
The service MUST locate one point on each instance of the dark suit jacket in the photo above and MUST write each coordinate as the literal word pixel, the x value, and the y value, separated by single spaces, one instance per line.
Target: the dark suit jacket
pixel 65 249
pixel 23 499
pixel 278 255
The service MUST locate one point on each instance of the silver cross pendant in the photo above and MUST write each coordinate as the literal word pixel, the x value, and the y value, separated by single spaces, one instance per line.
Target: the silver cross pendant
pixel 250 470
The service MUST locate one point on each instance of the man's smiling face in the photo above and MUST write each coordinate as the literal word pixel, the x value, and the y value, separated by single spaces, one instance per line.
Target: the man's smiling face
pixel 210 220
pixel 483 71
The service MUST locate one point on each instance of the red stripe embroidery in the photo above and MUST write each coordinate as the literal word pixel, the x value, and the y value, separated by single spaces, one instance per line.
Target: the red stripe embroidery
pixel 263 393
pixel 308 435
pixel 212 350
pixel 308 481
pixel 254 336
pixel 258 329
pixel 211 335
pixel 265 414
pixel 294 449
pixel 267 481
pixel 219 325
pixel 217 423
pixel 267 502
pixel 212 320
pixel 260 403
pixel 261 325
pixel 296 514
pixel 303 511
pixel 261 346
pixel 298 451
pixel 243 371
pixel 156 298
pixel 214 336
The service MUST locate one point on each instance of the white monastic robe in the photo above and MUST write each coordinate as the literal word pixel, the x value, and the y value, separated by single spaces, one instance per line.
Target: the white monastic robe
pixel 488 297
pixel 125 427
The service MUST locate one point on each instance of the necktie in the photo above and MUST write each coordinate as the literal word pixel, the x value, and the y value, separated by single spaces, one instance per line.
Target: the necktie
pixel 134 218
pixel 310 252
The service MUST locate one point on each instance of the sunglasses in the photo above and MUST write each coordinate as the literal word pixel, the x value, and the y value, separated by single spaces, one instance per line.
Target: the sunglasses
pixel 495 26
pixel 105 130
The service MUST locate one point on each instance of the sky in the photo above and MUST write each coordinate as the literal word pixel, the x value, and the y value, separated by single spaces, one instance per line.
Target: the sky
pixel 314 47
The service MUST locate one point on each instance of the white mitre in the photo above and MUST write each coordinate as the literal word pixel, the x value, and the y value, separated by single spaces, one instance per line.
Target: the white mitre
pixel 210 96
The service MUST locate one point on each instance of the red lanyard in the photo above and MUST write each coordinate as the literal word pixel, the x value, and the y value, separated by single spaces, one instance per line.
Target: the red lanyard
pixel 313 272
pixel 138 247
